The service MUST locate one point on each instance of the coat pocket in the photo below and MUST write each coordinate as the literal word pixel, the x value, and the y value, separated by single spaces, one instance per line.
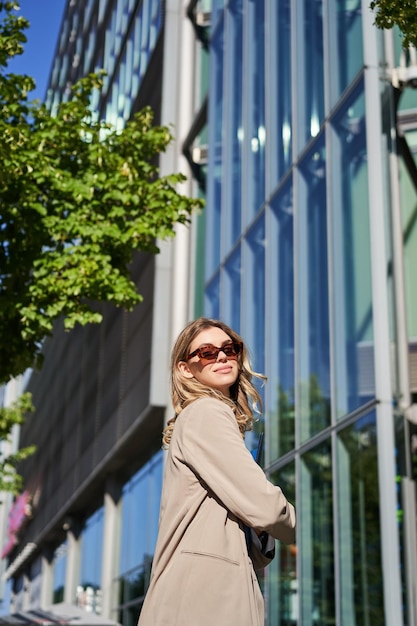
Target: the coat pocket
pixel 209 555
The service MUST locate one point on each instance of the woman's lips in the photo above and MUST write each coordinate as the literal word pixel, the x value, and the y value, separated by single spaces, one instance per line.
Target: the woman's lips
pixel 224 370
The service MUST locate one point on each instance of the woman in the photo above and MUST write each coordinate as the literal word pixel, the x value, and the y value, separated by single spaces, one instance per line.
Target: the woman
pixel 202 574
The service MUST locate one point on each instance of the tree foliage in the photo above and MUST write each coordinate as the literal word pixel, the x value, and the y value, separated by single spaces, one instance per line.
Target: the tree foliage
pixel 9 416
pixel 77 199
pixel 401 13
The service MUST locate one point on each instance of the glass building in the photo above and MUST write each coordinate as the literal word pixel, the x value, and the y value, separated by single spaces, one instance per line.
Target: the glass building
pixel 310 184
pixel 296 120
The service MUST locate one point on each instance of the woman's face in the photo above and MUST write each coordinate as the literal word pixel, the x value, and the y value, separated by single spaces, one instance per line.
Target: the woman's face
pixel 219 374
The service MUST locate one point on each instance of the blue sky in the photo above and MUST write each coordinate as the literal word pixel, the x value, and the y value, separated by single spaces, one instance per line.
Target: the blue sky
pixel 45 20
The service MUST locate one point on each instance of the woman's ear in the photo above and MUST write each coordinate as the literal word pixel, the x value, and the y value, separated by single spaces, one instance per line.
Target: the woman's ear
pixel 185 370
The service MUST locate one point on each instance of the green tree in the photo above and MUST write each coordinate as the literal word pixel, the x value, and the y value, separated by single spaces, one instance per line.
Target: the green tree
pixel 77 200
pixel 9 416
pixel 401 13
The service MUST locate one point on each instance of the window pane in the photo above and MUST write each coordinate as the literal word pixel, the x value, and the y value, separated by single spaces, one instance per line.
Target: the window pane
pixel 315 514
pixel 256 106
pixel 254 331
pixel 89 589
pixel 212 300
pixel 282 593
pixel 230 309
pixel 345 45
pixel 233 126
pixel 140 514
pixel 351 263
pixel 310 45
pixel 361 590
pixel 214 183
pixel 313 310
pixel 281 331
pixel 216 8
pixel 280 130
pixel 59 570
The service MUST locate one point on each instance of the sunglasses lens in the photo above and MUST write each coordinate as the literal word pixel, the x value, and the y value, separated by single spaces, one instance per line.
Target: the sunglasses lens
pixel 211 353
pixel 229 349
pixel 208 354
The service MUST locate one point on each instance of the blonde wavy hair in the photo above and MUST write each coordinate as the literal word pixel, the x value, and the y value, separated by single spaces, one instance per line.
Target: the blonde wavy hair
pixel 244 398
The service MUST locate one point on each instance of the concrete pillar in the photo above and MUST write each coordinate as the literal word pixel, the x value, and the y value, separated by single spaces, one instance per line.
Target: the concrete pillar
pixel 47 580
pixel 111 546
pixel 72 574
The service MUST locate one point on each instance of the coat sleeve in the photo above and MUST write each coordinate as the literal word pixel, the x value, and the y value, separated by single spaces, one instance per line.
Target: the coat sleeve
pixel 213 447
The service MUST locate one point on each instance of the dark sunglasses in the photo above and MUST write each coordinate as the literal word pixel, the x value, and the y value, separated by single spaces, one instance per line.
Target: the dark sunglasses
pixel 208 352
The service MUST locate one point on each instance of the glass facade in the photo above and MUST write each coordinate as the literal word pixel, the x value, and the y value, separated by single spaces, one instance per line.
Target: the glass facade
pixel 361 593
pixel 120 41
pixel 140 515
pixel 59 566
pixel 89 591
pixel 289 265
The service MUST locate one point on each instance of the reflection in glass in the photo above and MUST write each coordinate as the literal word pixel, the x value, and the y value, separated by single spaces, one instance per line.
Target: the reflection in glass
pixel 313 309
pixel 212 298
pixel 351 262
pixel 282 587
pixel 132 588
pixel 59 570
pixel 254 331
pixel 230 304
pixel 215 166
pixel 346 45
pixel 255 76
pixel 361 591
pixel 315 513
pixel 216 8
pixel 140 515
pixel 233 125
pixel 281 122
pixel 89 588
pixel 312 37
pixel 281 302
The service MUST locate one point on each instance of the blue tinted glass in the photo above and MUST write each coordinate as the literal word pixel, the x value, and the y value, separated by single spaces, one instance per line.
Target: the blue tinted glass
pixel 316 549
pixel 313 306
pixel 280 82
pixel 135 508
pixel 281 329
pixel 140 514
pixel 351 262
pixel 59 571
pixel 233 125
pixel 92 553
pixel 255 136
pixel 360 567
pixel 345 45
pixel 254 301
pixel 212 298
pixel 282 572
pixel 312 44
pixel 216 8
pixel 214 183
pixel 230 303
pixel 147 25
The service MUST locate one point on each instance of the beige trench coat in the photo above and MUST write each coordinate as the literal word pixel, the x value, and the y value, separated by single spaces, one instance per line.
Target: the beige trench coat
pixel 202 574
